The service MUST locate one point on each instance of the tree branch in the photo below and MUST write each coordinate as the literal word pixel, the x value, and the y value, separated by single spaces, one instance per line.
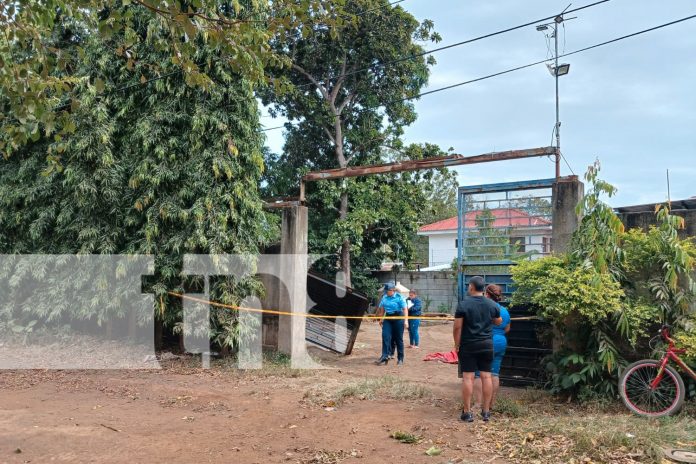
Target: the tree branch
pixel 321 88
pixel 345 102
pixel 328 132
pixel 339 82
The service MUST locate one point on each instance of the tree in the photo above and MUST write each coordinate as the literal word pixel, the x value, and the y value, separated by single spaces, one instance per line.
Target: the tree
pixel 347 96
pixel 384 214
pixel 487 242
pixel 164 170
pixel 38 82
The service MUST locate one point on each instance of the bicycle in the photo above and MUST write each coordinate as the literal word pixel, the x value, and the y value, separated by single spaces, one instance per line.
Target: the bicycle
pixel 653 388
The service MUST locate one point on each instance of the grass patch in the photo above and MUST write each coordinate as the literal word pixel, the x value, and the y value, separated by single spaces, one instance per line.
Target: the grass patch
pixel 386 387
pixel 382 387
pixel 509 407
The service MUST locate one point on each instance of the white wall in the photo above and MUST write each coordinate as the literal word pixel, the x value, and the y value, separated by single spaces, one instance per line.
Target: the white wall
pixel 442 250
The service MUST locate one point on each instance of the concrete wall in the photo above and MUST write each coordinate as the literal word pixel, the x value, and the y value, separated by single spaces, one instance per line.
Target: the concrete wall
pixel 644 220
pixel 440 287
pixel 566 193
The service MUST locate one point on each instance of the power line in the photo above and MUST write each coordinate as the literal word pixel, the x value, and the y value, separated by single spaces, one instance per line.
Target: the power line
pixel 464 42
pixel 272 128
pixel 536 63
pixel 545 60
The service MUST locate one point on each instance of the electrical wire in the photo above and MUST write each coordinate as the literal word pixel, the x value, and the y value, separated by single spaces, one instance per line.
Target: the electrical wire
pixel 507 71
pixel 536 63
pixel 272 128
pixel 468 41
pixel 567 164
pixel 409 57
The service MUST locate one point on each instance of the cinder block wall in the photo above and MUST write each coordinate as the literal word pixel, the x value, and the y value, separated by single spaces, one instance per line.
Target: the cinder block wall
pixel 437 287
pixel 643 220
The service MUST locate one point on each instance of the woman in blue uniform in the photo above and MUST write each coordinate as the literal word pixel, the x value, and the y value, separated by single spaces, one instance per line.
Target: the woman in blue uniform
pixel 413 324
pixel 500 332
pixel 392 305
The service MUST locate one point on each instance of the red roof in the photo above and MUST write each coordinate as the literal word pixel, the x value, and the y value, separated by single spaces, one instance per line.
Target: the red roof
pixel 504 217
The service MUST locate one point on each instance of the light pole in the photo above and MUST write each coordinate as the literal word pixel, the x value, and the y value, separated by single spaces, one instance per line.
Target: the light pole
pixel 556 70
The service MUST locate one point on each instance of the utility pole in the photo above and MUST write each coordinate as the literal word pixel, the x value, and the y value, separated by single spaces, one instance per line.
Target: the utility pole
pixel 556 22
pixel 557 70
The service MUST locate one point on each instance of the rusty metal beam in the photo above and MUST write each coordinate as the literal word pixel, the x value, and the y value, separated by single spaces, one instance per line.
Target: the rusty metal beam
pixel 282 204
pixel 429 163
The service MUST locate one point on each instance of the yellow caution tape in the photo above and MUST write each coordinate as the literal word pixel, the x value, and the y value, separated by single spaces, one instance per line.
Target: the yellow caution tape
pixel 320 316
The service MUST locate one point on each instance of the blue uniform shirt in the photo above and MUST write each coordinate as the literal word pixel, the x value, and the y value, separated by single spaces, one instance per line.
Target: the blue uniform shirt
pixel 417 307
pixel 499 337
pixel 392 304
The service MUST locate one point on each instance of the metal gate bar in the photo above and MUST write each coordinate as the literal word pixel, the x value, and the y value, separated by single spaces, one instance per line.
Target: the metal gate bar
pixel 493 233
pixel 499 224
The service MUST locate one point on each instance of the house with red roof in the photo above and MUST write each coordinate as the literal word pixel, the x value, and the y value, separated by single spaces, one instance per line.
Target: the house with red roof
pixel 525 233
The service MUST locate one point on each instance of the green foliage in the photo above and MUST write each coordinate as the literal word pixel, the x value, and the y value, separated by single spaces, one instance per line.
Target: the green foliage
pixel 349 110
pixel 405 437
pixel 596 243
pixel 561 291
pixel 608 291
pixel 165 171
pixel 487 242
pixel 39 83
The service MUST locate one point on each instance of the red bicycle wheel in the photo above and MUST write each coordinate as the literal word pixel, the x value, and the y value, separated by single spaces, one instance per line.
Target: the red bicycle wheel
pixel 635 388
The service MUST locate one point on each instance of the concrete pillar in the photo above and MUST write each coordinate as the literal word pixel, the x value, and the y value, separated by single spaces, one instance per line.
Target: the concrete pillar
pixel 567 193
pixel 294 263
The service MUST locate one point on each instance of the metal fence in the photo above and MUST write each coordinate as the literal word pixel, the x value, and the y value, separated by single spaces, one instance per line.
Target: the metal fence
pixel 500 224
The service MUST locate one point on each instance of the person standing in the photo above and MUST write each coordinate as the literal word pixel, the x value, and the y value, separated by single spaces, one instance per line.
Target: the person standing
pixel 392 305
pixel 500 331
pixel 415 309
pixel 473 341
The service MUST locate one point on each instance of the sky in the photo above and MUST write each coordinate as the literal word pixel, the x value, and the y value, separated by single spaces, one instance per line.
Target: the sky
pixel 631 104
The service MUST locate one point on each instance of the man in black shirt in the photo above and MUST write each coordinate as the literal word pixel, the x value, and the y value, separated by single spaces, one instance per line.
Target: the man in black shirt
pixel 473 341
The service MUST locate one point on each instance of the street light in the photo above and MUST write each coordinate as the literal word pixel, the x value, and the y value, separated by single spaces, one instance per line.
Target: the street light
pixel 557 70
pixel 561 70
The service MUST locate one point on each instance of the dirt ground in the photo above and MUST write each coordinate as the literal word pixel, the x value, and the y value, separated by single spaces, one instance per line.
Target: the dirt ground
pixel 186 414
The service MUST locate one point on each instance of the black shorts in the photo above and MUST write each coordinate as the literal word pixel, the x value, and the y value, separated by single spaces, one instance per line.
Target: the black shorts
pixel 477 356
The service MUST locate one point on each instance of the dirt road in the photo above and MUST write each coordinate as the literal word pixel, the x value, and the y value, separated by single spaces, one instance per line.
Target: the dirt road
pixel 274 415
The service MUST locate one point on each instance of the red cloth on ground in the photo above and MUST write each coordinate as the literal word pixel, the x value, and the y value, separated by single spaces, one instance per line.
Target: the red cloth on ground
pixel 449 358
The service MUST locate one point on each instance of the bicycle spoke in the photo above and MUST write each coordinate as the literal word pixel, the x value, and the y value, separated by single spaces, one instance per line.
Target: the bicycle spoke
pixel 639 391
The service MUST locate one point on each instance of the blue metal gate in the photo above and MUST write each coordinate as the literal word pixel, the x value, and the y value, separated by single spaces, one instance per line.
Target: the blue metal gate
pixel 499 225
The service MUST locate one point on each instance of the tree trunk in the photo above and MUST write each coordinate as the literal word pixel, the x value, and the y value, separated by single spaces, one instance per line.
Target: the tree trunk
pixel 345 246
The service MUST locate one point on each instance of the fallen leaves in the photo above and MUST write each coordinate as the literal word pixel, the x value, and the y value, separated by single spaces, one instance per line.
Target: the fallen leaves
pixel 405 437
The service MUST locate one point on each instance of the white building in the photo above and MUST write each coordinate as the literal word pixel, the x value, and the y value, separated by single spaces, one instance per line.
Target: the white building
pixel 525 233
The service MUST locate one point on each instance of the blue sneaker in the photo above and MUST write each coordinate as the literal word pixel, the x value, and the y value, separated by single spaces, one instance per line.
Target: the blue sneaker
pixel 486 416
pixel 467 417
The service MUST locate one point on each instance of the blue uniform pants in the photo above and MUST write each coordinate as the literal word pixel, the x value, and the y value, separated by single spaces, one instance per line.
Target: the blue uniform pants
pixel 393 331
pixel 413 335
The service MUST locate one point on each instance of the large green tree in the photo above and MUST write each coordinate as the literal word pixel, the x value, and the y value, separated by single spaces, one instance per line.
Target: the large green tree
pixel 164 170
pixel 347 99
pixel 384 213
pixel 36 92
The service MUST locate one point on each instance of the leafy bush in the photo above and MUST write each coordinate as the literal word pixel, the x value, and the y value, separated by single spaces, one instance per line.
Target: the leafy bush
pixel 604 295
pixel 562 292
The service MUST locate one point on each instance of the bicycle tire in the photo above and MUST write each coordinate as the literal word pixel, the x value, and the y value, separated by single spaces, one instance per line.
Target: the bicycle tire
pixel 637 373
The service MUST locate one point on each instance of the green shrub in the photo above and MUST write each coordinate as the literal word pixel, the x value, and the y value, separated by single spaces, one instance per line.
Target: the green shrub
pixel 607 291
